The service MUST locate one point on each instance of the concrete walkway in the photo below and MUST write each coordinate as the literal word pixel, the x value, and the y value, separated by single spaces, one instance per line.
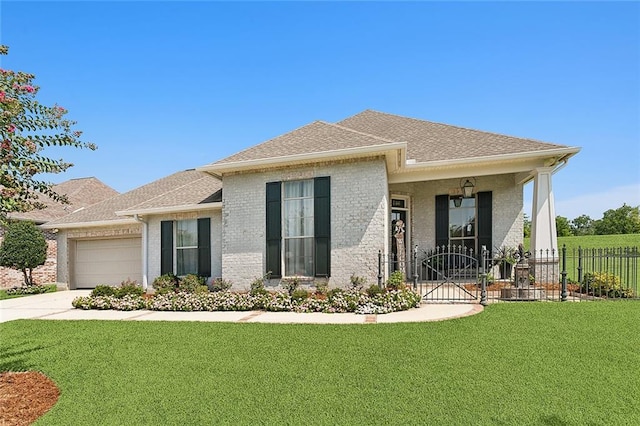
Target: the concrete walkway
pixel 57 306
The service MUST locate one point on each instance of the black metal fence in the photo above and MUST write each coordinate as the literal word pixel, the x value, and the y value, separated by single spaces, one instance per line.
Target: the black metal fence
pixel 458 274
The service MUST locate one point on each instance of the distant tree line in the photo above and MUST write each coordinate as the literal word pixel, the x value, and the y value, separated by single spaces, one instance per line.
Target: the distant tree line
pixel 623 220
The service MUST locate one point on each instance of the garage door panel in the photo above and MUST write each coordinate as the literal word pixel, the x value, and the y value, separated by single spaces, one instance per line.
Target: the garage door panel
pixel 109 261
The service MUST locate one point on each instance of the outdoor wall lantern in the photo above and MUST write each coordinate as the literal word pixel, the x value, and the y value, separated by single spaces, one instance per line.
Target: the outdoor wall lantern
pixel 467 188
pixel 457 202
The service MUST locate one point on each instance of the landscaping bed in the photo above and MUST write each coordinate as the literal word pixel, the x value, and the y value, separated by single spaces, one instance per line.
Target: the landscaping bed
pixel 188 294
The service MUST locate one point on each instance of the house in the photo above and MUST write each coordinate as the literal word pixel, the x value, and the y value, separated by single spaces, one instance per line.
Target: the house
pixel 81 192
pixel 319 203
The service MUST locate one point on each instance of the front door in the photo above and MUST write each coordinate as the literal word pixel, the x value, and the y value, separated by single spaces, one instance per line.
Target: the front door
pixel 399 232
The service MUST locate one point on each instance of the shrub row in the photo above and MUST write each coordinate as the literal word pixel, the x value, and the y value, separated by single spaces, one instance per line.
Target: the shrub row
pixel 336 301
pixel 32 289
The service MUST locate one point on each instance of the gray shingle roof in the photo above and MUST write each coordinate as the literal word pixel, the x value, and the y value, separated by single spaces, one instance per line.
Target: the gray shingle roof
pixel 315 137
pixel 429 141
pixel 81 192
pixel 181 188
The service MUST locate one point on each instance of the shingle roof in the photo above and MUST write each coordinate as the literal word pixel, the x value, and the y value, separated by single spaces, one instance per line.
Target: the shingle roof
pixel 315 137
pixel 81 192
pixel 429 141
pixel 426 141
pixel 181 188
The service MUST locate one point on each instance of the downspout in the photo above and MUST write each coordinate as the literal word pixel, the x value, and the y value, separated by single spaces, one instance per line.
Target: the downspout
pixel 145 244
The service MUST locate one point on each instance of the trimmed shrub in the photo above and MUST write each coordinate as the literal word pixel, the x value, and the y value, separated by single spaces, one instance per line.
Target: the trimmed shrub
pixel 299 294
pixel 373 290
pixel 103 290
pixel 166 283
pixel 128 287
pixel 32 289
pixel 190 283
pixel 257 286
pixel 396 280
pixel 220 284
pixel 605 284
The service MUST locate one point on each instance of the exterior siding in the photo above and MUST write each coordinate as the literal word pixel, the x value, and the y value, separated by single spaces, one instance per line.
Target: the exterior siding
pixel 507 207
pixel 359 212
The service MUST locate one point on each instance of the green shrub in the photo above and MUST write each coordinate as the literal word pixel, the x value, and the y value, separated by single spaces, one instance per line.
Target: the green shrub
pixel 220 284
pixel 166 283
pixel 32 289
pixel 190 283
pixel 604 284
pixel 290 284
pixel 299 294
pixel 357 283
pixel 128 287
pixel 396 280
pixel 23 248
pixel 373 290
pixel 322 287
pixel 257 285
pixel 331 294
pixel 103 290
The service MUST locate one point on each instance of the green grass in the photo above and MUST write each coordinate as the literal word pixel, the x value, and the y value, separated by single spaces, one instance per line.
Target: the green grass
pixel 595 241
pixel 527 363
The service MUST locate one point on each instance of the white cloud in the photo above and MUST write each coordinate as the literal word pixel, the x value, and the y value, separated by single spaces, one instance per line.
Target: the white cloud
pixel 594 204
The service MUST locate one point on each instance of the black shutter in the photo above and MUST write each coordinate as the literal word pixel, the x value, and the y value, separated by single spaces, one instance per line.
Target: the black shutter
pixel 322 225
pixel 442 220
pixel 485 221
pixel 204 247
pixel 274 229
pixel 166 247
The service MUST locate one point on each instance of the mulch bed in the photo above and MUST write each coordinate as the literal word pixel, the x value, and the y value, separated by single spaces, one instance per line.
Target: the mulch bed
pixel 25 396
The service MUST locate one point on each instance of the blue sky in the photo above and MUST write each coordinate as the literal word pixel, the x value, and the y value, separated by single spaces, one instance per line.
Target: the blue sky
pixel 166 86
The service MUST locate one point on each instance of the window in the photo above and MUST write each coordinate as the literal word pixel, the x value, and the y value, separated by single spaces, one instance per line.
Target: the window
pixel 192 248
pixel 462 223
pixel 186 247
pixel 471 223
pixel 298 228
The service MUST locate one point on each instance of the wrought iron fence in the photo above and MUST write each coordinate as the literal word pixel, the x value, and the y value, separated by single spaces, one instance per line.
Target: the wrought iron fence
pixel 458 274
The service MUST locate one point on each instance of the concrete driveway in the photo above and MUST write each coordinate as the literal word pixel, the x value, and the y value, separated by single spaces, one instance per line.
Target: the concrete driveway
pixel 57 306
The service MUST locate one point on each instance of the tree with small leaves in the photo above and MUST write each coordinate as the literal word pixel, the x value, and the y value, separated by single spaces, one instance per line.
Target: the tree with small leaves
pixel 26 129
pixel 23 248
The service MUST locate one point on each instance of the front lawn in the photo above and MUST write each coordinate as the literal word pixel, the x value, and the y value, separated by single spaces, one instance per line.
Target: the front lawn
pixel 524 363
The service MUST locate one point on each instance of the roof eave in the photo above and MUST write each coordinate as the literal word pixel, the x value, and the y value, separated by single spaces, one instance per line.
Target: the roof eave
pixel 170 209
pixel 395 153
pixel 91 224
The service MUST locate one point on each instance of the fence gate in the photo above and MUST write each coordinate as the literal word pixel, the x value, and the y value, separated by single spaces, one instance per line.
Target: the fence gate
pixel 450 274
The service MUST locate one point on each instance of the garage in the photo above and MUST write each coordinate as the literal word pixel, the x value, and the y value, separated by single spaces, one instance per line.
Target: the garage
pixel 107 261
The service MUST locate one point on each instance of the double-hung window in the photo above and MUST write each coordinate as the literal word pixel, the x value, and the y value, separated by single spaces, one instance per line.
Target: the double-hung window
pixel 298 226
pixel 185 247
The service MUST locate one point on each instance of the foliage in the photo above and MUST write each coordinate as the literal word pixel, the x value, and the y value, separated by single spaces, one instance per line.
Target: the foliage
pixel 26 129
pixel 322 287
pixel 299 301
pixel 623 220
pixel 373 290
pixel 526 226
pixel 103 290
pixel 126 288
pixel 24 248
pixel 563 226
pixel 396 280
pixel 505 254
pixel 290 284
pixel 190 283
pixel 26 291
pixel 582 225
pixel 357 282
pixel 220 284
pixel 257 285
pixel 604 284
pixel 166 283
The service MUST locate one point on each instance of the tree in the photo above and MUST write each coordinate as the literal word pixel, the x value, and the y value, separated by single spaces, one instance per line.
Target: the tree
pixel 582 225
pixel 526 226
pixel 563 229
pixel 24 248
pixel 26 129
pixel 623 220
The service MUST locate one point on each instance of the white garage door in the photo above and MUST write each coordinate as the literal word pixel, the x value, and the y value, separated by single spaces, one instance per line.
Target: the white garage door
pixel 107 262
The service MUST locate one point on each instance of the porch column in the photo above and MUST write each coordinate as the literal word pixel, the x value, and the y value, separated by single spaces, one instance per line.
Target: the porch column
pixel 543 217
pixel 544 239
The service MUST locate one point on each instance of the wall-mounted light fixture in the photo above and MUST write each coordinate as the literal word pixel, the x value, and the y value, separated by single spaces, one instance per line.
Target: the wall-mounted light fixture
pixel 467 187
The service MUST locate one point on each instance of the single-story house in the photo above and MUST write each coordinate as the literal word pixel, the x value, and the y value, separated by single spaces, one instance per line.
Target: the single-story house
pixel 81 192
pixel 319 203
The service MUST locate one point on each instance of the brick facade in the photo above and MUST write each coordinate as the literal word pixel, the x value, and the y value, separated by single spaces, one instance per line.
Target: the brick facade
pixel 45 274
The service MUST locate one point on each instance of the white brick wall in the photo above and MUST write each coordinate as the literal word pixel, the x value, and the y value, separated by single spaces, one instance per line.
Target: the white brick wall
pixel 154 240
pixel 359 212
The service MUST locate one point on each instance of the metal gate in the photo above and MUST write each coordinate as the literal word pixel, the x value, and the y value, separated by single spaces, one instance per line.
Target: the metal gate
pixel 450 274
